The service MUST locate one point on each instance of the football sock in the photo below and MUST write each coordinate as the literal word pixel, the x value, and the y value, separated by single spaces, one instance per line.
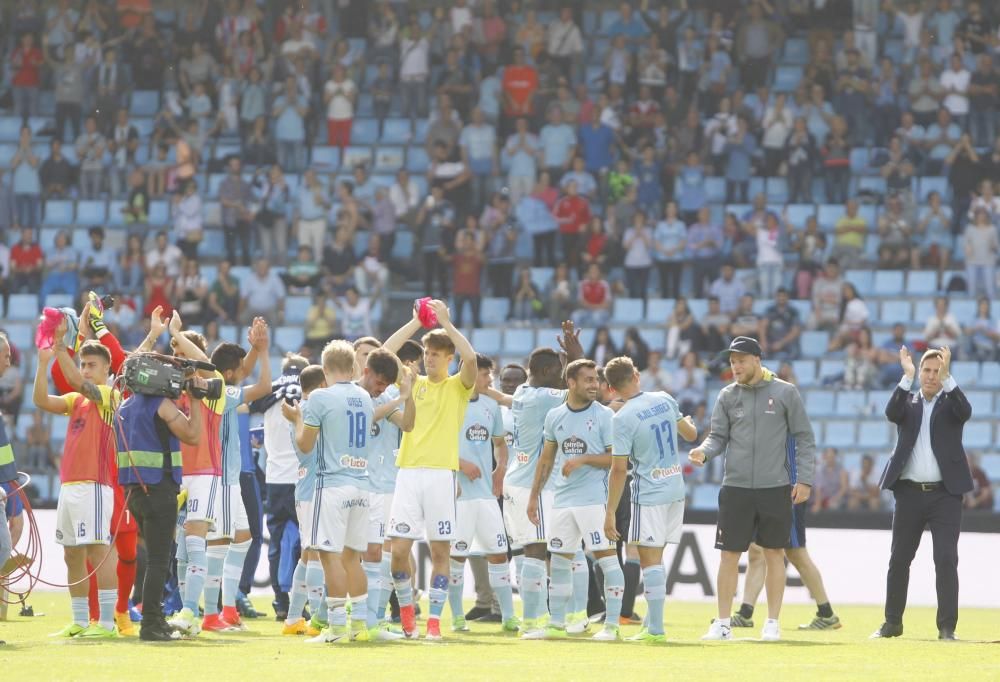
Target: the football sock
pixel 518 568
pixel 500 582
pixel 581 583
pixel 560 588
pixel 314 587
pixel 655 581
pixel 233 571
pixel 106 599
pixel 404 590
pixel 824 610
pixel 386 582
pixel 196 569
pixel 746 610
pixel 359 612
pixel 373 572
pixel 532 584
pixel 126 570
pixel 632 573
pixel 456 585
pixel 724 621
pixel 81 611
pixel 437 595
pixel 335 611
pixel 213 581
pixel 182 561
pixel 614 589
pixel 297 600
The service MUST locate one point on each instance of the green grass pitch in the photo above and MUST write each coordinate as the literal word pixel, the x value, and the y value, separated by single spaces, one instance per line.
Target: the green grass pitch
pixel 485 654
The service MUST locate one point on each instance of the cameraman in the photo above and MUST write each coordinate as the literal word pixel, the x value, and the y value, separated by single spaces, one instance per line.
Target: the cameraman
pixel 148 431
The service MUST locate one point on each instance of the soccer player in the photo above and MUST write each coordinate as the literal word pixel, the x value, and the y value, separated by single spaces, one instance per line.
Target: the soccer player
pixel 307 581
pixel 480 521
pixel 339 418
pixel 230 541
pixel 578 443
pixel 394 414
pixel 645 431
pixel 86 498
pixel 8 484
pixel 424 502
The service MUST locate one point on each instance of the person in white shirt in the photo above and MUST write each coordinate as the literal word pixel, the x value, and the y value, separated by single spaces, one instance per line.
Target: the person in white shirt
pixel 414 69
pixel 955 81
pixel 405 196
pixel 339 95
pixel 164 253
pixel 565 43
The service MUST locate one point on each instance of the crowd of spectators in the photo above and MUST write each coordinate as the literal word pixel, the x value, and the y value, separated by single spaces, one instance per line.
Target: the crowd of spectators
pixel 605 162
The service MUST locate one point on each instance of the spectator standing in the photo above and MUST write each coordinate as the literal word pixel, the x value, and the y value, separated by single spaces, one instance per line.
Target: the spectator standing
pixel 263 294
pixel 854 315
pixel 691 188
pixel 313 205
pixel 557 141
pixel 777 126
pixel 467 263
pixel 853 90
pixel 26 181
pixel 62 265
pixel 942 329
pixel 289 112
pixel 188 228
pixel 638 243
pixel 955 82
pixel 682 329
pixel 704 244
pixel 25 63
pixel 669 247
pixel 502 231
pixel 355 315
pixel 414 70
pixel 896 248
pixel 800 155
pixel 436 219
pixel 522 151
pixel 57 175
pixel 596 143
pixel 836 162
pixel 689 382
pixel 339 96
pixel 565 43
pixel 982 245
pixel 70 79
pixel 926 92
pixel 827 296
pixel 756 42
pixel 740 149
pixel 224 298
pixel 982 333
pixel 849 236
pixel 166 254
pixel 593 300
pixel 560 296
pixel 526 301
pixel 26 263
pixel 728 288
pixel 520 87
pixel 983 92
pixel 572 212
pixel 478 144
pixel 90 148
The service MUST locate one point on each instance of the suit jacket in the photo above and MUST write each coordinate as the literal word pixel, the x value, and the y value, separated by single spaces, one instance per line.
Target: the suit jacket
pixel 951 411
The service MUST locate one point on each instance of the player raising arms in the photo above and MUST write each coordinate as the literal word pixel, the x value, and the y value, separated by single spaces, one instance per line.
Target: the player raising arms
pixel 578 444
pixel 339 417
pixel 424 501
pixel 86 498
pixel 645 431
pixel 480 521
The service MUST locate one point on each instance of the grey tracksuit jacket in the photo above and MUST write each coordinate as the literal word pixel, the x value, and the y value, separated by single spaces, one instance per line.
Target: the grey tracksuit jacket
pixel 764 433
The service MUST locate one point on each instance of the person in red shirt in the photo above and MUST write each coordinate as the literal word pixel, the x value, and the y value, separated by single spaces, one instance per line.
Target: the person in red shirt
pixel 25 64
pixel 594 299
pixel 89 466
pixel 467 266
pixel 520 85
pixel 572 212
pixel 26 261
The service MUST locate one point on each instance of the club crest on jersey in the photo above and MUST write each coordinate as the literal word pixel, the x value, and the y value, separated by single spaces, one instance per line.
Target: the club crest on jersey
pixel 574 446
pixel 302 472
pixel 508 438
pixel 376 429
pixel 402 528
pixel 590 425
pixel 422 392
pixel 770 406
pixel 738 413
pixel 555 543
pixel 477 433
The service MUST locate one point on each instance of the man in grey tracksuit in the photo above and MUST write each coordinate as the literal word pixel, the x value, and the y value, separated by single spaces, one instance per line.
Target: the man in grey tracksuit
pixel 757 419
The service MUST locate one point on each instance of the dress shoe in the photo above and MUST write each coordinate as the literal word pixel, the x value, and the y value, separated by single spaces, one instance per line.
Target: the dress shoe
pixel 888 630
pixel 947 634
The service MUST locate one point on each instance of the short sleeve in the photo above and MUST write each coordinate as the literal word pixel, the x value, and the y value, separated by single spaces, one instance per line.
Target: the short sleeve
pixel 606 430
pixel 233 398
pixel 621 435
pixel 549 428
pixel 311 413
pixel 498 429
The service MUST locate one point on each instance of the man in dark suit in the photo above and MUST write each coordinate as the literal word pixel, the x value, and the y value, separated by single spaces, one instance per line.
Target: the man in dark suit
pixel 928 474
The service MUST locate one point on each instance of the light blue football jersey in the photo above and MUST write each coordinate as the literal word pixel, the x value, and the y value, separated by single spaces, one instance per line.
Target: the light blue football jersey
pixel 530 406
pixel 645 431
pixel 305 484
pixel 483 422
pixel 576 433
pixel 508 427
pixel 382 449
pixel 343 414
pixel 229 430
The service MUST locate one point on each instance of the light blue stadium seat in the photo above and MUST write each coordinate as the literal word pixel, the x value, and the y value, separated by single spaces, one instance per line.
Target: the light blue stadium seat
pixel 796 51
pixel 981 401
pixel 57 301
pixel 115 215
pixel 548 337
pixel 289 339
pixel 224 150
pixel 777 190
pixel 787 77
pixel 830 368
pixel 888 283
pixel 870 213
pixel 58 212
pixel 655 337
pixel 874 184
pixel 874 434
pixel 541 277
pixel 828 215
pixel 486 341
pixel 10 128
pixel 894 311
pixel 403 248
pixel 798 214
pixel 921 282
pixel 364 131
pixel 964 310
pixel 7 151
pixel 698 307
pixel 863 280
pixel 923 309
pixel 820 403
pixel 416 160
pixel 805 372
pixel 851 403
pixel 91 212
pixel 989 377
pixel 396 131
pixel 991 466
pixel 627 310
pixel 715 190
pixel 495 310
pixel 20 334
pixel 705 496
pixel 804 309
pixel 326 158
pixel 966 373
pixel 851 461
pixel 839 433
pixel 933 183
pixel 389 160
pixel 23 307
pixel 756 186
pixel 814 343
pixel 145 103
pixel 978 434
pixel 860 161
pixel 420 131
pixel 296 309
pixel 518 342
pixel 658 310
pixel 215 181
pixel 159 212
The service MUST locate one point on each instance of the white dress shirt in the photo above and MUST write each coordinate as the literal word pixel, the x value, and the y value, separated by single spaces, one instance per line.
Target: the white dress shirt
pixel 923 466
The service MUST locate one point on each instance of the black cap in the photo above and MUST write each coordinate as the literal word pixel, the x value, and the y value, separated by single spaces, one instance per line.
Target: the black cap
pixel 743 344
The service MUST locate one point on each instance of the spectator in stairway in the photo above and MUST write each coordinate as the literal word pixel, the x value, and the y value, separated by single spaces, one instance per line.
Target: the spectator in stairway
pixel 57 174
pixel 863 492
pixel 983 333
pixel 831 483
pixel 780 329
pixel 896 249
pixel 683 332
pixel 854 315
pixel 942 329
pixel 934 228
pixel 981 496
pixel 887 356
pixel 594 299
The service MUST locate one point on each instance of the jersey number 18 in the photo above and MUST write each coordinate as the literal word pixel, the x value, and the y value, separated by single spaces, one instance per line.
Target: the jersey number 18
pixel 357 429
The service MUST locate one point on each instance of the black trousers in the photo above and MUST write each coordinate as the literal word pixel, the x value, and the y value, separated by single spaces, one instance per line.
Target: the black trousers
pixel 250 492
pixel 916 510
pixel 238 235
pixel 545 249
pixel 155 512
pixel 280 512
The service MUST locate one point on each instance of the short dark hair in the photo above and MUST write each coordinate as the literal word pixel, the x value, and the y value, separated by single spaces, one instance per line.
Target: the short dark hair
pixel 573 368
pixel 483 361
pixel 544 362
pixel 311 378
pixel 410 350
pixel 228 356
pixel 383 364
pixel 95 349
pixel 515 366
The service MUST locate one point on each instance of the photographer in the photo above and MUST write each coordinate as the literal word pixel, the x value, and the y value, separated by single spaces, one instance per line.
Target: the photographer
pixel 149 430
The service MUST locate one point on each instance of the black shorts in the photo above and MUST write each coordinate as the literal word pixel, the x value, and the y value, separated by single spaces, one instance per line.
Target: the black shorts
pixel 797 540
pixel 746 515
